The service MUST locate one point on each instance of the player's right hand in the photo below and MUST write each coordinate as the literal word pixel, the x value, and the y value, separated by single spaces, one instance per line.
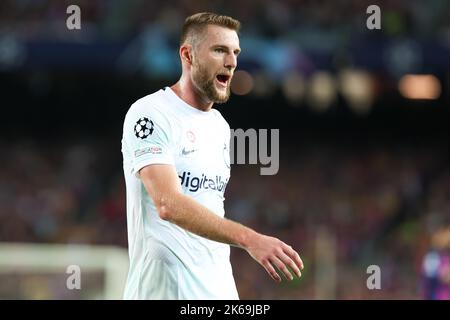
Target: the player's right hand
pixel 273 253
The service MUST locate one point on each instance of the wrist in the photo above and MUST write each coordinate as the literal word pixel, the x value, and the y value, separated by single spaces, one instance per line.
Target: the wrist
pixel 248 238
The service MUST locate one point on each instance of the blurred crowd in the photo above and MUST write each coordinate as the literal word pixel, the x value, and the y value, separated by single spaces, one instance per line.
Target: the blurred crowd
pixel 61 193
pixel 268 17
pixel 305 35
pixel 342 208
pixel 349 208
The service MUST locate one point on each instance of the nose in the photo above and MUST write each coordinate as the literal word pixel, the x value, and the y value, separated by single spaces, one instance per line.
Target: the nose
pixel 231 61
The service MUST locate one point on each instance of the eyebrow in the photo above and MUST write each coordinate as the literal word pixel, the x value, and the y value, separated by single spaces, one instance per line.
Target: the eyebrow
pixel 237 51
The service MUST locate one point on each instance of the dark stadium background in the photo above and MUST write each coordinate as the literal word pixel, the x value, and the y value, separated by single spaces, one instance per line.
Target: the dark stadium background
pixel 353 190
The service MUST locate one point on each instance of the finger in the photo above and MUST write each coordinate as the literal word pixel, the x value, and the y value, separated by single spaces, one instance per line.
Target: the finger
pixel 298 260
pixel 271 271
pixel 294 256
pixel 282 267
pixel 289 262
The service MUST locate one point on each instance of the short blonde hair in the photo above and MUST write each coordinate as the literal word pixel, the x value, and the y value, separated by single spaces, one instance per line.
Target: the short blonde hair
pixel 195 24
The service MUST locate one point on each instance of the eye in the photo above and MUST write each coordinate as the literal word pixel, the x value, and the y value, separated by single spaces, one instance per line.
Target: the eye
pixel 219 50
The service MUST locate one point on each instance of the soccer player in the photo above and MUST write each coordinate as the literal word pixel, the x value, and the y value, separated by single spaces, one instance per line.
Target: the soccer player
pixel 177 165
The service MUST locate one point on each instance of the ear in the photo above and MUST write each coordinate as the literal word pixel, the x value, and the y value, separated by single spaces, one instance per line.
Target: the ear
pixel 186 53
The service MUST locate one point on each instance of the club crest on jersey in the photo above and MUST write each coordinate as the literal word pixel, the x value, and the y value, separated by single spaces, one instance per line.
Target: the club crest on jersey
pixel 143 128
pixel 190 136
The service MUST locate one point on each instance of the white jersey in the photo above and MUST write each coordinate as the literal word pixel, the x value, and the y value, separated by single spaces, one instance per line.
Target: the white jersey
pixel 166 261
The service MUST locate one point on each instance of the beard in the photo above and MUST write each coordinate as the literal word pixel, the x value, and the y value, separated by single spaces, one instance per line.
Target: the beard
pixel 205 84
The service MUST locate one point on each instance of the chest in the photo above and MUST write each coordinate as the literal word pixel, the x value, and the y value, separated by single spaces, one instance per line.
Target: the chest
pixel 202 148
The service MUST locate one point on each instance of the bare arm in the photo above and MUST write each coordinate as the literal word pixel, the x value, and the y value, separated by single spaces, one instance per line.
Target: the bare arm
pixel 162 184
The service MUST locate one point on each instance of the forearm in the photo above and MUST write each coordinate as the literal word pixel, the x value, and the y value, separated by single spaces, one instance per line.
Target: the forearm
pixel 163 186
pixel 196 218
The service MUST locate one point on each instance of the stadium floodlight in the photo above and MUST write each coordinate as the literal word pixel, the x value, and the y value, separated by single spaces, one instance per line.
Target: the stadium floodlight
pixel 416 86
pixel 242 83
pixel 264 84
pixel 357 88
pixel 293 87
pixel 321 91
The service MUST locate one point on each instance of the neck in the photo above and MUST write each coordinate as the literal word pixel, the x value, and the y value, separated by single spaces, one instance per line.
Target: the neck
pixel 186 90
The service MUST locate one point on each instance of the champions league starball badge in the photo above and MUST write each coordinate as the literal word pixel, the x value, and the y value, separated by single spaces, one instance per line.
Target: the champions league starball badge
pixel 143 128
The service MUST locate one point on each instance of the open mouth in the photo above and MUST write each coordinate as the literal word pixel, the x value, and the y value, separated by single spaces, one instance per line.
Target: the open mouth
pixel 223 78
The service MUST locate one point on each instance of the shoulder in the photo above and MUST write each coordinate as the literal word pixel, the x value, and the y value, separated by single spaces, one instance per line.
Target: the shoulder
pixel 150 111
pixel 151 103
pixel 152 106
pixel 221 120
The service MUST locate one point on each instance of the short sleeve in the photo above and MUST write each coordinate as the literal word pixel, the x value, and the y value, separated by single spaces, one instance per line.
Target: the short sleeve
pixel 147 136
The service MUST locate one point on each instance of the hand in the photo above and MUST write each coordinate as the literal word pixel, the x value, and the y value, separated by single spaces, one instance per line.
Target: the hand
pixel 271 252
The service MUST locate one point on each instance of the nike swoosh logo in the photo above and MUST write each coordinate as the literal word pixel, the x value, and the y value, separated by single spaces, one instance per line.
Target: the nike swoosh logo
pixel 185 152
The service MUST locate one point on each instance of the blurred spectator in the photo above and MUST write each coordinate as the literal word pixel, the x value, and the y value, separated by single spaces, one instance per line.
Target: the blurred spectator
pixel 436 266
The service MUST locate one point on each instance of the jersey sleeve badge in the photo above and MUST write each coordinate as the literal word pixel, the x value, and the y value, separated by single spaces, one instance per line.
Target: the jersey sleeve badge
pixel 143 128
